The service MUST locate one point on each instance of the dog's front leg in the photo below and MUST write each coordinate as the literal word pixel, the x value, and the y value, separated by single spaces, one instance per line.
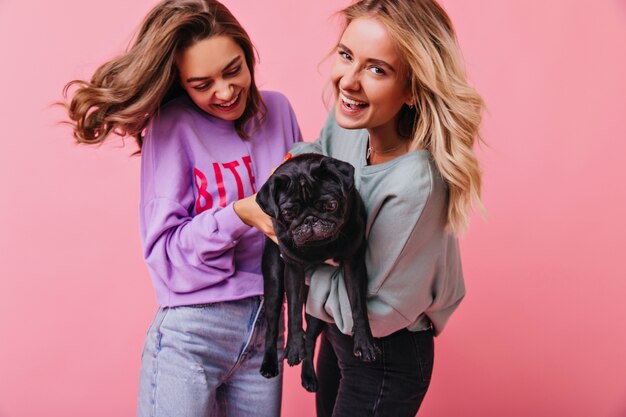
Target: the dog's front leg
pixel 273 289
pixel 355 276
pixel 294 284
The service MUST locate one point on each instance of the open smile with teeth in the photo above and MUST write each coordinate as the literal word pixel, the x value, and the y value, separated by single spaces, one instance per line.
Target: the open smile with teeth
pixel 352 104
pixel 230 103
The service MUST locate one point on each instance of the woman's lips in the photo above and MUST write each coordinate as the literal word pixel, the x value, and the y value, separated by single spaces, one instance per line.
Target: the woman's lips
pixel 229 106
pixel 351 106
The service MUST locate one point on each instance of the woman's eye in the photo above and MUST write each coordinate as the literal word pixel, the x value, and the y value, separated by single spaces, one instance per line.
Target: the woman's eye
pixel 233 72
pixel 202 87
pixel 345 55
pixel 377 70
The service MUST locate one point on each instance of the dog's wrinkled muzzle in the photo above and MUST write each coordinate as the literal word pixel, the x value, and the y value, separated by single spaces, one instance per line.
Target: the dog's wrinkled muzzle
pixel 313 230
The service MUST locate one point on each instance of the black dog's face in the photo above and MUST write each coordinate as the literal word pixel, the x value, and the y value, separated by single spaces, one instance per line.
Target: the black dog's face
pixel 309 214
pixel 308 197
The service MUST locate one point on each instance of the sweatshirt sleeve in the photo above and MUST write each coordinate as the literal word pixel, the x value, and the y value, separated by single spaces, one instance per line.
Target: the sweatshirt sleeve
pixel 416 275
pixel 413 264
pixel 185 251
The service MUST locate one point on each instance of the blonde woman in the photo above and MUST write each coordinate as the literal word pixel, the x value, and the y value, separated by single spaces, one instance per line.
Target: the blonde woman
pixel 407 119
pixel 208 140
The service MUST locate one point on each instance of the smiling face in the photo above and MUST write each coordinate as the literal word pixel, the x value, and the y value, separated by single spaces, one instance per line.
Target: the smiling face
pixel 368 79
pixel 214 73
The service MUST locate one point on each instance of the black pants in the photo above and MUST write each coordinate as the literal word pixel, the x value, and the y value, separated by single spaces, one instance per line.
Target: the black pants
pixel 394 385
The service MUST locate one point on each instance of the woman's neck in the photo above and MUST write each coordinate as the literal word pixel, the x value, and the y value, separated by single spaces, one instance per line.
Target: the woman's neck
pixel 384 145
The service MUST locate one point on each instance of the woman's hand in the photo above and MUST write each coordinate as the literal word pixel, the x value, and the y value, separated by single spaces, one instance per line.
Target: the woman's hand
pixel 251 214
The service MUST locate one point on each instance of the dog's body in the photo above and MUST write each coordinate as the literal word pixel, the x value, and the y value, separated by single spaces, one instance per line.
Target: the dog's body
pixel 318 216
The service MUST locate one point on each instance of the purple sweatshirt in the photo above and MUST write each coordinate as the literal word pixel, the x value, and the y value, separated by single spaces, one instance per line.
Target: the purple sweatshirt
pixel 193 168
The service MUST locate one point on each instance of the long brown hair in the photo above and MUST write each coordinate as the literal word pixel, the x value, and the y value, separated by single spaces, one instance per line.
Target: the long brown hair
pixel 124 93
pixel 448 111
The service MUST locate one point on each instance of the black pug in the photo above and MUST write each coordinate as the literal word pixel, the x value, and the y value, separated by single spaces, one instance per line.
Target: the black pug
pixel 318 216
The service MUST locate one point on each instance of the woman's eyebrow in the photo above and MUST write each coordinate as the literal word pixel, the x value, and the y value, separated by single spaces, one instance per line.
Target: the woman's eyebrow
pixel 230 64
pixel 374 61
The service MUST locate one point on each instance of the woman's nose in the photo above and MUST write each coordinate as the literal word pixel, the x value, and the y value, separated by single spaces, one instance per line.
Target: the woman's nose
pixel 224 91
pixel 350 79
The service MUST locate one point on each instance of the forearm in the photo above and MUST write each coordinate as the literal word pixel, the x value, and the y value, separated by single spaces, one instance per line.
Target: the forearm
pixel 190 253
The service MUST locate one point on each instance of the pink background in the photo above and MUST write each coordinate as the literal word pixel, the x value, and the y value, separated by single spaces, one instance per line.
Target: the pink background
pixel 542 330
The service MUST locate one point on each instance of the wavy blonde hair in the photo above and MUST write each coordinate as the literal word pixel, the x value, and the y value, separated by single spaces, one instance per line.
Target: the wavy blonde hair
pixel 124 93
pixel 448 111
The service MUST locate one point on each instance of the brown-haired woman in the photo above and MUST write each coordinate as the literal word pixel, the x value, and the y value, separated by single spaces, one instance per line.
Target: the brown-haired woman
pixel 208 139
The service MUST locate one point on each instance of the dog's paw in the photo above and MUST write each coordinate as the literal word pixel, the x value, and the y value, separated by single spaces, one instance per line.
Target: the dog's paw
pixel 295 351
pixel 307 375
pixel 309 382
pixel 366 349
pixel 269 367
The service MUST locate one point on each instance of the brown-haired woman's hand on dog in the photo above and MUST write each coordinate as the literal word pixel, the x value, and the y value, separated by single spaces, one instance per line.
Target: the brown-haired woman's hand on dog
pixel 251 214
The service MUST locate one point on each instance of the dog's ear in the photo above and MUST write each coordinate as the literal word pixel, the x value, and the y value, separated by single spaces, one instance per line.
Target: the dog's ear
pixel 343 171
pixel 266 198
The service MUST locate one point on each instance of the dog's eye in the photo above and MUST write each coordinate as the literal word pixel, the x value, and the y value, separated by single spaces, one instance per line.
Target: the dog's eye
pixel 330 205
pixel 288 215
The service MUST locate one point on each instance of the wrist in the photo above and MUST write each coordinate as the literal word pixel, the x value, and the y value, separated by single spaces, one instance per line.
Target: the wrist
pixel 240 211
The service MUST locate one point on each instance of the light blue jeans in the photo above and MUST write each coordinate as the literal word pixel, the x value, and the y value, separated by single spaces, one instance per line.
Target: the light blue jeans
pixel 201 361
